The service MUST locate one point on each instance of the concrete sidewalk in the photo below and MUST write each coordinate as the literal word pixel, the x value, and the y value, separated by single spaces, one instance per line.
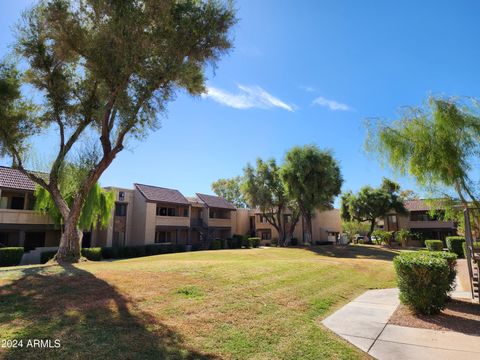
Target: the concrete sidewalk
pixel 363 322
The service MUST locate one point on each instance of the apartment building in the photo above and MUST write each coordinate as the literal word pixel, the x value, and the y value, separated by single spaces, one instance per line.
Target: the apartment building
pixel 20 225
pixel 418 220
pixel 143 215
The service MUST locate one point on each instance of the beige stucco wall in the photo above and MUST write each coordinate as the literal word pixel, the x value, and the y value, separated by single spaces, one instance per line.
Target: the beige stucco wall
pixel 9 216
pixel 138 219
pixel 241 221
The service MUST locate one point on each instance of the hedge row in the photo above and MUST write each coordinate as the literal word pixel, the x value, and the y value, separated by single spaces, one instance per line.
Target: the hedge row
pixel 434 245
pixel 455 244
pixel 11 256
pixel 235 242
pixel 425 278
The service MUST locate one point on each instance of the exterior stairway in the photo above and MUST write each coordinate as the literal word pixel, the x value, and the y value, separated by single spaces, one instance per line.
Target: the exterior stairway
pixel 475 286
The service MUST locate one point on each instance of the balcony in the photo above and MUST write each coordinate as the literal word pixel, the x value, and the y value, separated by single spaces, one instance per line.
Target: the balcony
pixel 433 224
pixel 11 216
pixel 179 221
pixel 215 222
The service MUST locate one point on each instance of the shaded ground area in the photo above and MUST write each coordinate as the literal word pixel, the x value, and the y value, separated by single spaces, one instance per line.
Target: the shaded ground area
pixel 461 316
pixel 356 252
pixel 229 304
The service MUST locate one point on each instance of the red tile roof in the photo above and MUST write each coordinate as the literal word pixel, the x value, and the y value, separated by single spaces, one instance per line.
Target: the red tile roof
pixel 216 202
pixel 15 179
pixel 159 194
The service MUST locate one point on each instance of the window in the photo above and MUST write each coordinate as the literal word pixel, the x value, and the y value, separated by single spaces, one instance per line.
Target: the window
pixel 120 209
pixel 185 212
pixel 266 235
pixel 262 219
pixel 17 203
pixel 121 196
pixel 163 237
pixel 166 211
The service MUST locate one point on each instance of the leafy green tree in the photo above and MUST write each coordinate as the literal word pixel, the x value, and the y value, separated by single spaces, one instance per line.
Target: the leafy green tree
pixel 230 189
pixel 437 144
pixel 353 228
pixel 105 70
pixel 264 189
pixel 370 204
pixel 312 179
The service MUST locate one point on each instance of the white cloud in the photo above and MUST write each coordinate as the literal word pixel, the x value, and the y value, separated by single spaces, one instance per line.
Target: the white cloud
pixel 331 104
pixel 307 88
pixel 247 98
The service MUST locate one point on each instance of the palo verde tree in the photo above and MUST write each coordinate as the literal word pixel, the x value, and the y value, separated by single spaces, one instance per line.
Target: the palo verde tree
pixel 230 189
pixel 105 69
pixel 438 144
pixel 312 178
pixel 263 187
pixel 370 204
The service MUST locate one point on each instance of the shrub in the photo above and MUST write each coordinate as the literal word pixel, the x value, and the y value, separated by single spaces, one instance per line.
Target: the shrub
pixel 11 256
pixel 215 244
pixel 424 280
pixel 153 249
pixel 196 247
pixel 294 241
pixel 46 256
pixel 401 236
pixel 254 241
pixel 107 253
pixel 132 251
pixel 476 246
pixel 274 242
pixel 234 242
pixel 180 248
pixel 247 242
pixel 451 259
pixel 382 237
pixel 92 254
pixel 454 244
pixel 434 245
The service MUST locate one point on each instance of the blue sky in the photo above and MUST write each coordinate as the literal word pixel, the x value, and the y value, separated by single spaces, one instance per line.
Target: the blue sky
pixel 302 72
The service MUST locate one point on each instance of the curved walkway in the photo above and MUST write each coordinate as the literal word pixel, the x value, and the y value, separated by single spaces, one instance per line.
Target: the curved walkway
pixel 364 323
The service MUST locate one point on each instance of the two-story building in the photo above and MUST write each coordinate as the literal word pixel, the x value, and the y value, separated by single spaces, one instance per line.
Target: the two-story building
pixel 418 220
pixel 20 225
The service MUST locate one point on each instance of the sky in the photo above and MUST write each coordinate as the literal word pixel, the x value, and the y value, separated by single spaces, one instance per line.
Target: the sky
pixel 301 72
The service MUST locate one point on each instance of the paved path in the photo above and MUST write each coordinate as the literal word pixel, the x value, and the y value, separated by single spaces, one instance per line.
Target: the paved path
pixel 363 322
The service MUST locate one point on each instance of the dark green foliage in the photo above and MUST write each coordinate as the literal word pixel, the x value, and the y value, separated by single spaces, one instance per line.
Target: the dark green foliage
pixel 247 242
pixel 434 245
pixel 235 242
pixel 255 241
pixel 216 244
pixel 134 251
pixel 476 246
pixel 424 279
pixel 294 242
pixel 454 244
pixel 179 248
pixel 92 254
pixel 47 256
pixel 10 256
pixel 196 247
pixel 108 253
pixel 156 249
pixel 451 259
pixel 382 237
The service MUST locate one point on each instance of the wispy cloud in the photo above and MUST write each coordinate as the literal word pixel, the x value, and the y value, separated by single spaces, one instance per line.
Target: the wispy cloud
pixel 307 88
pixel 248 97
pixel 331 104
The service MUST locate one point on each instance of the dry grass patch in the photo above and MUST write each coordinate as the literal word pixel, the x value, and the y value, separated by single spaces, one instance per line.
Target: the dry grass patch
pixel 232 304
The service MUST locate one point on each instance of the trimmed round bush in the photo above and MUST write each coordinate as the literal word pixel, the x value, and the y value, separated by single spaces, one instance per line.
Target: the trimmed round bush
pixel 454 244
pixel 92 254
pixel 247 243
pixel 254 241
pixel 11 256
pixel 451 259
pixel 215 244
pixel 434 245
pixel 46 256
pixel 424 279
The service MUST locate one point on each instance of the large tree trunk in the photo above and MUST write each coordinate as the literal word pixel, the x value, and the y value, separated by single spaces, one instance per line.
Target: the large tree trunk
pixel 70 244
pixel 308 228
pixel 372 228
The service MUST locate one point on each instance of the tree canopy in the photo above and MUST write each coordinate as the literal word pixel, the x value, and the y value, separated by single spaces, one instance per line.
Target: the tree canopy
pixel 264 189
pixel 103 70
pixel 230 189
pixel 438 144
pixel 313 179
pixel 370 204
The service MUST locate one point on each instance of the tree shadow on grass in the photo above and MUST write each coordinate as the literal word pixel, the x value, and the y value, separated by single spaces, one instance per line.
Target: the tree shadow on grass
pixel 355 252
pixel 88 315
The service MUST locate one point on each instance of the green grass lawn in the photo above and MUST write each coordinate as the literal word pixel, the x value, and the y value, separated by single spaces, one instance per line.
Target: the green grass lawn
pixel 229 304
